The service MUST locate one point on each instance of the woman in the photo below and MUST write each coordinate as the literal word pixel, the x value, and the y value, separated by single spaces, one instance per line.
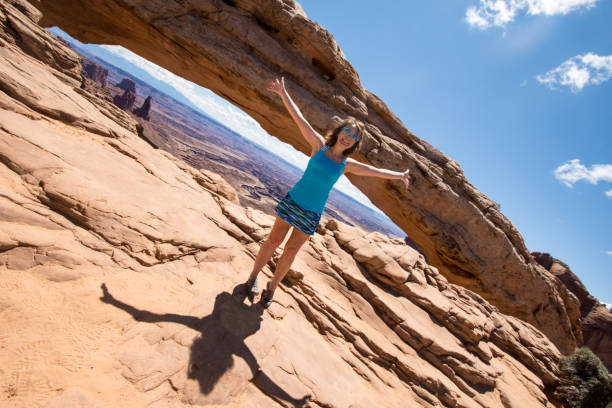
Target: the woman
pixel 304 203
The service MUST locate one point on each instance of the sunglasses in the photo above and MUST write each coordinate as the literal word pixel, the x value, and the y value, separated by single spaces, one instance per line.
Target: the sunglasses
pixel 351 134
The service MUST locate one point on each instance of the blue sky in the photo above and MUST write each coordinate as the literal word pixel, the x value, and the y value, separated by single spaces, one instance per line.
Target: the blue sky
pixel 518 92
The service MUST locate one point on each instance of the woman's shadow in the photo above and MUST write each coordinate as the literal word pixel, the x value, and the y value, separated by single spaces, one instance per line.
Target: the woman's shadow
pixel 222 335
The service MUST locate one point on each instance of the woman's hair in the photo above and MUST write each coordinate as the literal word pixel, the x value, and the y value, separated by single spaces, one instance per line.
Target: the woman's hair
pixel 332 137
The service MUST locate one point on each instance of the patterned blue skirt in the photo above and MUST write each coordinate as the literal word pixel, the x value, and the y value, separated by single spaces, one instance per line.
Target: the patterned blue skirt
pixel 300 218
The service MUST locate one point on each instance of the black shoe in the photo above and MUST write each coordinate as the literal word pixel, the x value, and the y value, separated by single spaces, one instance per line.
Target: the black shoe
pixel 266 296
pixel 252 288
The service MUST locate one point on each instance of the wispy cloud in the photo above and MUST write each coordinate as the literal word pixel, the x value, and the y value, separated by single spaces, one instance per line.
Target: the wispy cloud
pixel 578 72
pixel 232 117
pixel 499 13
pixel 573 171
pixel 609 253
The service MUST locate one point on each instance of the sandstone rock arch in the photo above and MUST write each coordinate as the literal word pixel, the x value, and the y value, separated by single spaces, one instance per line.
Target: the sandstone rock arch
pixel 234 47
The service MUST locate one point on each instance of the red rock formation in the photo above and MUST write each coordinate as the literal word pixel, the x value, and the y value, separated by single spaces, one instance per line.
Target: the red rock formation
pixel 596 318
pixel 93 76
pixel 569 279
pixel 144 110
pixel 94 71
pixel 127 84
pixel 211 43
pixel 126 100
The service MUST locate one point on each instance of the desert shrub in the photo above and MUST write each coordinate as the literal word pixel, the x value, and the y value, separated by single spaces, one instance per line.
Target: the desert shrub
pixel 584 382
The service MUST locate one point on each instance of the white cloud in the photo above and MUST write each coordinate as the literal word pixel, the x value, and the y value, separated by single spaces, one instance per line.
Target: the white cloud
pixel 579 71
pixel 573 171
pixel 609 253
pixel 500 13
pixel 524 83
pixel 608 305
pixel 232 117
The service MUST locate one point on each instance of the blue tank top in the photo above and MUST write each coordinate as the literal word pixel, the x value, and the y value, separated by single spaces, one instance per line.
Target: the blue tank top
pixel 312 190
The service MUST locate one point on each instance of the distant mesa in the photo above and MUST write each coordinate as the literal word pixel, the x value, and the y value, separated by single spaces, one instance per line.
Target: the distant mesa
pixel 94 78
pixel 143 111
pixel 94 71
pixel 128 98
pixel 127 84
pixel 125 101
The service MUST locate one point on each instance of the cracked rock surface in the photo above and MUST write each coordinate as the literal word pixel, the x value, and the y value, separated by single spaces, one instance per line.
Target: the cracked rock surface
pixel 120 268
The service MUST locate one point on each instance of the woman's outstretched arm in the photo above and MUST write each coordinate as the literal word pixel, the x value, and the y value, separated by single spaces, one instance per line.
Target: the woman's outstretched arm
pixel 362 169
pixel 314 139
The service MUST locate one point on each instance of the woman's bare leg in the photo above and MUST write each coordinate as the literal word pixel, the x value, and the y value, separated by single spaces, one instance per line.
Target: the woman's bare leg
pixel 293 245
pixel 276 237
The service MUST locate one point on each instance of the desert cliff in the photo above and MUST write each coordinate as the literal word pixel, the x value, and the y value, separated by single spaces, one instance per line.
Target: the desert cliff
pixel 121 269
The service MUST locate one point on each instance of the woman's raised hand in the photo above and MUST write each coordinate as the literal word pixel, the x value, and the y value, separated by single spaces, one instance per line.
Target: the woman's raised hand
pixel 277 86
pixel 406 179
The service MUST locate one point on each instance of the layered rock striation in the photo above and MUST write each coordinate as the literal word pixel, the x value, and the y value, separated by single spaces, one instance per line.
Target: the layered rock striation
pixel 569 279
pixel 121 270
pixel 236 47
pixel 596 318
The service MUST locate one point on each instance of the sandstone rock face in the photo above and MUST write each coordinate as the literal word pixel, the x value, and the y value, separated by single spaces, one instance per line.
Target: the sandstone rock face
pixel 569 279
pixel 16 29
pixel 596 318
pixel 597 332
pixel 144 110
pixel 121 269
pixel 126 100
pixel 236 47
